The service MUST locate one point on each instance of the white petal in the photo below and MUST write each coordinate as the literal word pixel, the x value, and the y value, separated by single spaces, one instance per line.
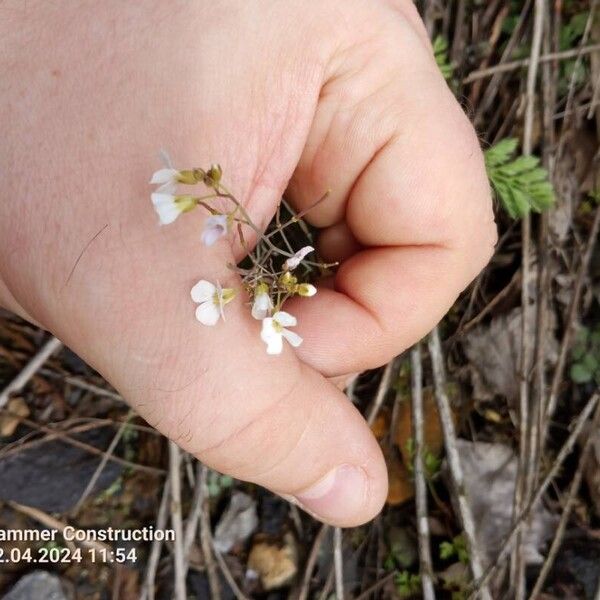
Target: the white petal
pixel 293 338
pixel 261 306
pixel 259 312
pixel 285 319
pixel 164 176
pixel 164 205
pixel 160 199
pixel 294 261
pixel 267 331
pixel 167 188
pixel 165 158
pixel 203 291
pixel 310 290
pixel 208 313
pixel 275 345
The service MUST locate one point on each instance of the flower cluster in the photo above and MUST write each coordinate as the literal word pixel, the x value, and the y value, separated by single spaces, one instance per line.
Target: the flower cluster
pixel 270 279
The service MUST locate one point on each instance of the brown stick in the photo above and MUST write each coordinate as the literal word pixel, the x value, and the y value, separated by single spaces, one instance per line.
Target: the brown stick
pixel 176 520
pixel 525 62
pixel 30 369
pixel 426 568
pixel 564 518
pixel 453 458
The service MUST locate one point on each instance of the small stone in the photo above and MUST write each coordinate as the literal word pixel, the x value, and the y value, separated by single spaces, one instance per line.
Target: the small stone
pixel 275 565
pixel 36 585
pixel 16 409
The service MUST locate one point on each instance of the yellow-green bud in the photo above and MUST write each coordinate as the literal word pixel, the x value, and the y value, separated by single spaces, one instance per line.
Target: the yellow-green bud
pixel 187 177
pixel 213 175
pixel 261 288
pixel 288 280
pixel 306 289
pixel 185 203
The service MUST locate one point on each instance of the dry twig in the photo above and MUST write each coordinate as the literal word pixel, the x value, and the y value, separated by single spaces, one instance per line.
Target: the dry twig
pixel 311 562
pixel 384 386
pixel 525 62
pixel 147 592
pixel 30 369
pixel 571 319
pixel 426 568
pixel 105 458
pixel 48 521
pixel 176 520
pixel 338 562
pixel 568 507
pixel 453 458
pixel 228 576
pixel 565 450
pixel 527 425
pixel 206 541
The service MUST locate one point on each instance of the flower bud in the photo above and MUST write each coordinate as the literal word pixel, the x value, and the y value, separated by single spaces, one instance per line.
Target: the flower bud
pixel 306 289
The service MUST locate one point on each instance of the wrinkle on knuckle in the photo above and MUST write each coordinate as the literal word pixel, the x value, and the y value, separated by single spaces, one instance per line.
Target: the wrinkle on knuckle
pixel 238 449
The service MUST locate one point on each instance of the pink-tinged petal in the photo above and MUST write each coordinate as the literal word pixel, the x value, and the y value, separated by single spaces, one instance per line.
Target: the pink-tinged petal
pixel 293 338
pixel 208 313
pixel 215 227
pixel 294 261
pixel 203 291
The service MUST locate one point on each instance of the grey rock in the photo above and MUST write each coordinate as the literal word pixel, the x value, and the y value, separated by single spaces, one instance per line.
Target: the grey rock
pixel 52 476
pixel 38 585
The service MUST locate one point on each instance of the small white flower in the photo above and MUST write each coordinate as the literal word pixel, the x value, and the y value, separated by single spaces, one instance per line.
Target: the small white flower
pixel 167 178
pixel 215 227
pixel 169 207
pixel 273 332
pixel 211 299
pixel 292 262
pixel 262 305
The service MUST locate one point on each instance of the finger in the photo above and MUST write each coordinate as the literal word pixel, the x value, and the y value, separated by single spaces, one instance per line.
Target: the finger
pixel 408 180
pixel 337 243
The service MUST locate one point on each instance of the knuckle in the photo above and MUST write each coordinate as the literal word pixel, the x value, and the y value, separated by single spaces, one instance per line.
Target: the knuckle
pixel 260 442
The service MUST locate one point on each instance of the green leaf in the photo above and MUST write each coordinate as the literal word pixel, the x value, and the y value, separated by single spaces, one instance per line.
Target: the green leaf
pixel 590 362
pixel 447 550
pixel 520 183
pixel 440 51
pixel 580 373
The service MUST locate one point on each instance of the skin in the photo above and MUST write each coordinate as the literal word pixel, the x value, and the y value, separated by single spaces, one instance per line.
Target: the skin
pixel 345 96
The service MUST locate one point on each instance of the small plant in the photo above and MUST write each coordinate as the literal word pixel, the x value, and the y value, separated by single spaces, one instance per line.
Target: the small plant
pixel 456 548
pixel 272 275
pixel 431 462
pixel 440 51
pixel 130 437
pixel 407 584
pixel 217 483
pixel 585 354
pixel 520 183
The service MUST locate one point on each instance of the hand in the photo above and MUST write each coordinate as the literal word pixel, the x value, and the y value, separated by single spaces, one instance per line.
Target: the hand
pixel 345 95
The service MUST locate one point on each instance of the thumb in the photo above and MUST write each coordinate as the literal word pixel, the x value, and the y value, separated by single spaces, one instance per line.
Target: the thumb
pixel 271 420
